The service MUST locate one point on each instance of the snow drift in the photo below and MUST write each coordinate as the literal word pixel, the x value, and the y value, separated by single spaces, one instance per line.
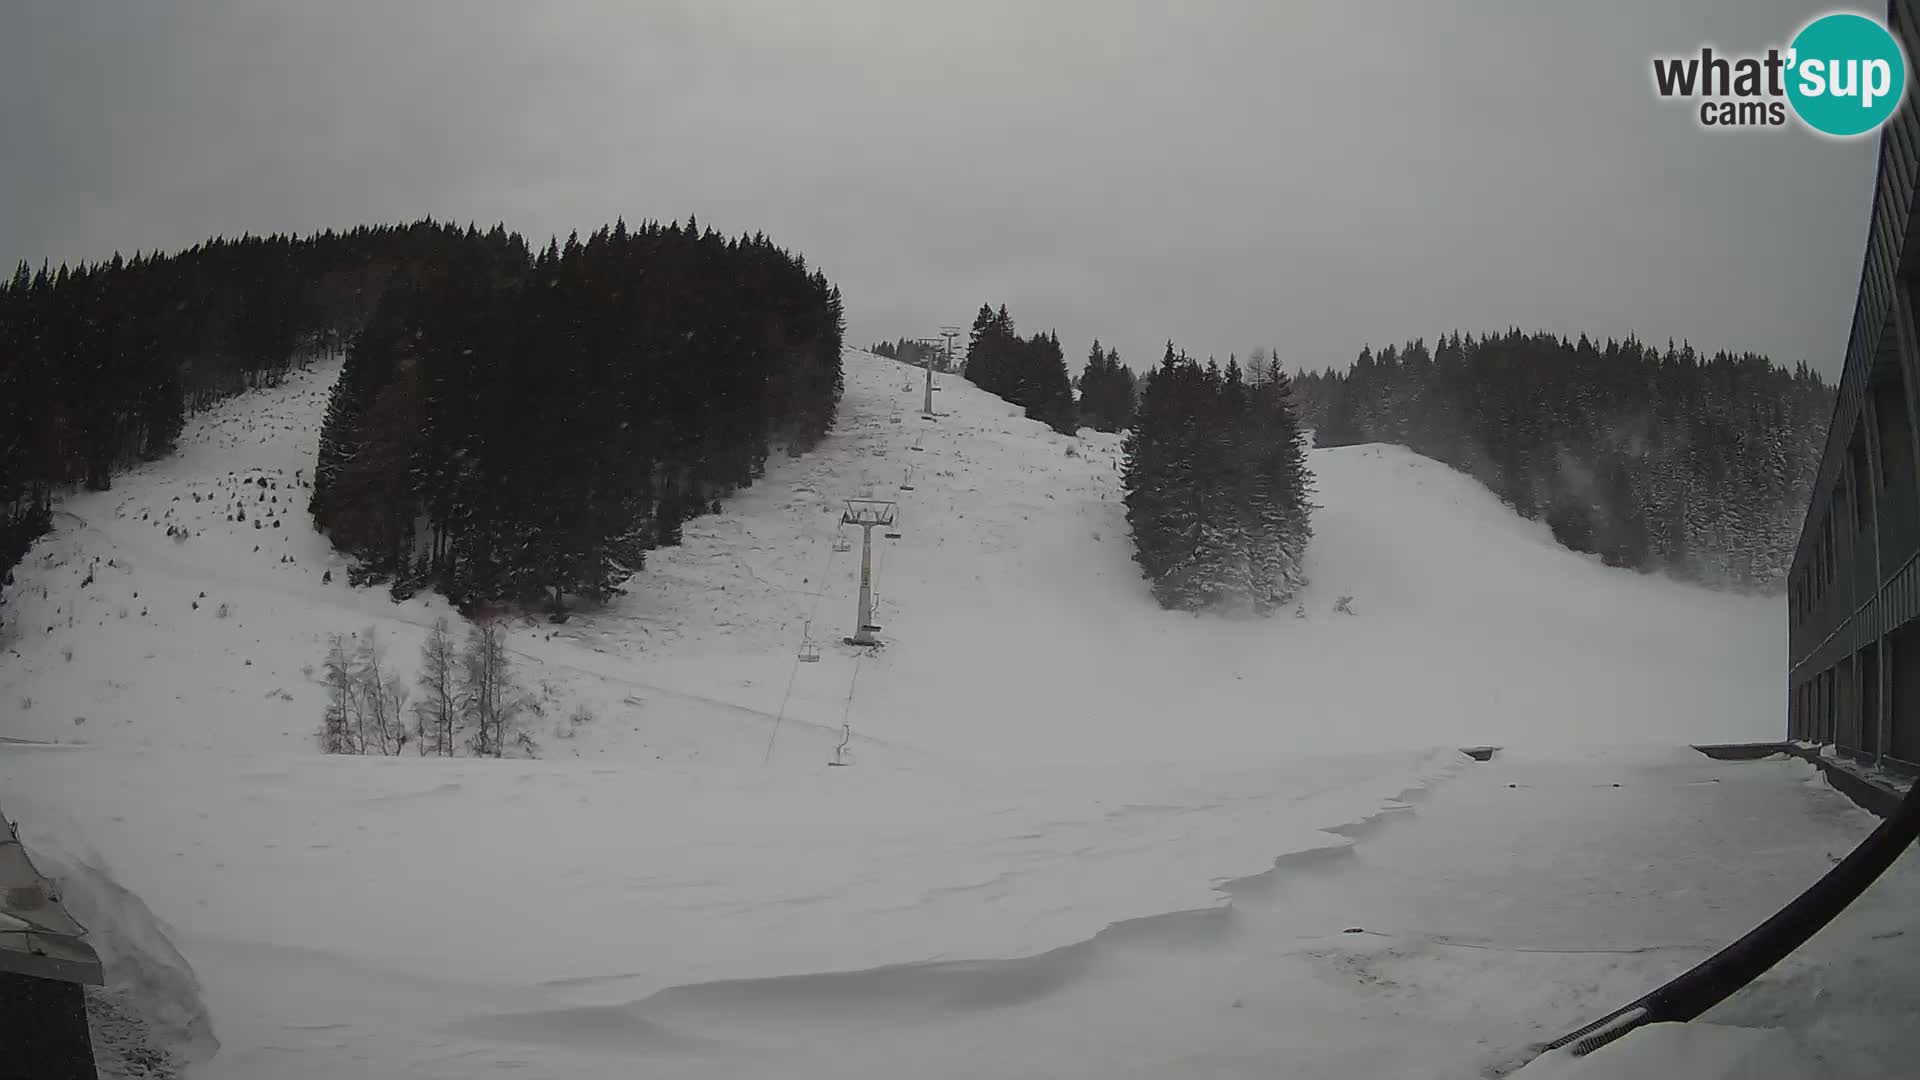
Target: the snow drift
pixel 146 975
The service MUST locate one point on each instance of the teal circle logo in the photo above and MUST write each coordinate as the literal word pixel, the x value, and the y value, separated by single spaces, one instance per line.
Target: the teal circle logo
pixel 1846 74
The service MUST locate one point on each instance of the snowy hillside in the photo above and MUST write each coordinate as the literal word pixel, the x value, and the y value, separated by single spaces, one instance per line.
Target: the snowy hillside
pixel 1043 758
pixel 1017 626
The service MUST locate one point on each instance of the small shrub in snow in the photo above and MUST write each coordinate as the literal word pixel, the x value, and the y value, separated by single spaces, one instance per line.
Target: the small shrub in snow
pixel 222 611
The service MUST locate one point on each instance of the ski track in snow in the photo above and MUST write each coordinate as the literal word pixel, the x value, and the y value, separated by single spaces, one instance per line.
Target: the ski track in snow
pixel 1064 799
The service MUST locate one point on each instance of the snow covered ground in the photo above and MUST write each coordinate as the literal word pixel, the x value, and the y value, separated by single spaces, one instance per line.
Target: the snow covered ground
pixel 1081 836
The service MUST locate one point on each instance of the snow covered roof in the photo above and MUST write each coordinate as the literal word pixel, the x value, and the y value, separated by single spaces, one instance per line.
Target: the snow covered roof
pixel 37 936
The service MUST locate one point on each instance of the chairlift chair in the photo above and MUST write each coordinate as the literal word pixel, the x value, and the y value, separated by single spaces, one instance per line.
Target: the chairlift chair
pixel 841 543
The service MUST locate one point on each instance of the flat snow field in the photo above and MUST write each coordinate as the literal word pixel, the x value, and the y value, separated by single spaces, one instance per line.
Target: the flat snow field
pixel 450 919
pixel 1079 836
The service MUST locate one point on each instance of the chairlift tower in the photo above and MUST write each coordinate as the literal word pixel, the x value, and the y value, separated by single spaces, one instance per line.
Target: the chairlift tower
pixel 949 333
pixel 867 513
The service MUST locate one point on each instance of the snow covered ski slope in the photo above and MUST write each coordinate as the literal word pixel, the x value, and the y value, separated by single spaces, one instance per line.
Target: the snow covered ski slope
pixel 1017 626
pixel 1040 754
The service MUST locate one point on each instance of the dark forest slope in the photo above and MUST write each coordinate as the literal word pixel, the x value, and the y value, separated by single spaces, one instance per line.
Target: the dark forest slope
pixel 1658 460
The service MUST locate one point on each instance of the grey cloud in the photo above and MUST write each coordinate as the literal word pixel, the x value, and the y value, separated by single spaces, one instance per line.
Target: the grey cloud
pixel 1225 174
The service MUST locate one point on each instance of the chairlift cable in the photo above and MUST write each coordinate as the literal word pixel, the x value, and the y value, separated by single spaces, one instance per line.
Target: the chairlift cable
pixel 793 670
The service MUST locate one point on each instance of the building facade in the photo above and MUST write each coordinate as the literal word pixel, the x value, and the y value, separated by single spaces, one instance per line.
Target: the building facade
pixel 1854 591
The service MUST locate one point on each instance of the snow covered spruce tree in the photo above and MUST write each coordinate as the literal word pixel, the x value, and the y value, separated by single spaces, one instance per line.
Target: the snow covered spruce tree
pixel 1029 372
pixel 521 427
pixel 1217 487
pixel 1106 391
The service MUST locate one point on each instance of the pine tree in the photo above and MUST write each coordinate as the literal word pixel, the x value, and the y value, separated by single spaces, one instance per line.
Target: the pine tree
pixel 1653 458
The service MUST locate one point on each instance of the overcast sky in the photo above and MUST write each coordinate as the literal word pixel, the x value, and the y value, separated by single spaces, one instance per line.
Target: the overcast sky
pixel 1225 174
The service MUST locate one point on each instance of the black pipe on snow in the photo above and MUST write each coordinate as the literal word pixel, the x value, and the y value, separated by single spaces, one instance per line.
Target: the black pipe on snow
pixel 1717 977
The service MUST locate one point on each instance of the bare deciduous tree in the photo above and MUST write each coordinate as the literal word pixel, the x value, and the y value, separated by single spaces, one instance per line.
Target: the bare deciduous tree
pixel 339 727
pixel 488 697
pixel 366 702
pixel 384 731
pixel 438 711
pixel 472 690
